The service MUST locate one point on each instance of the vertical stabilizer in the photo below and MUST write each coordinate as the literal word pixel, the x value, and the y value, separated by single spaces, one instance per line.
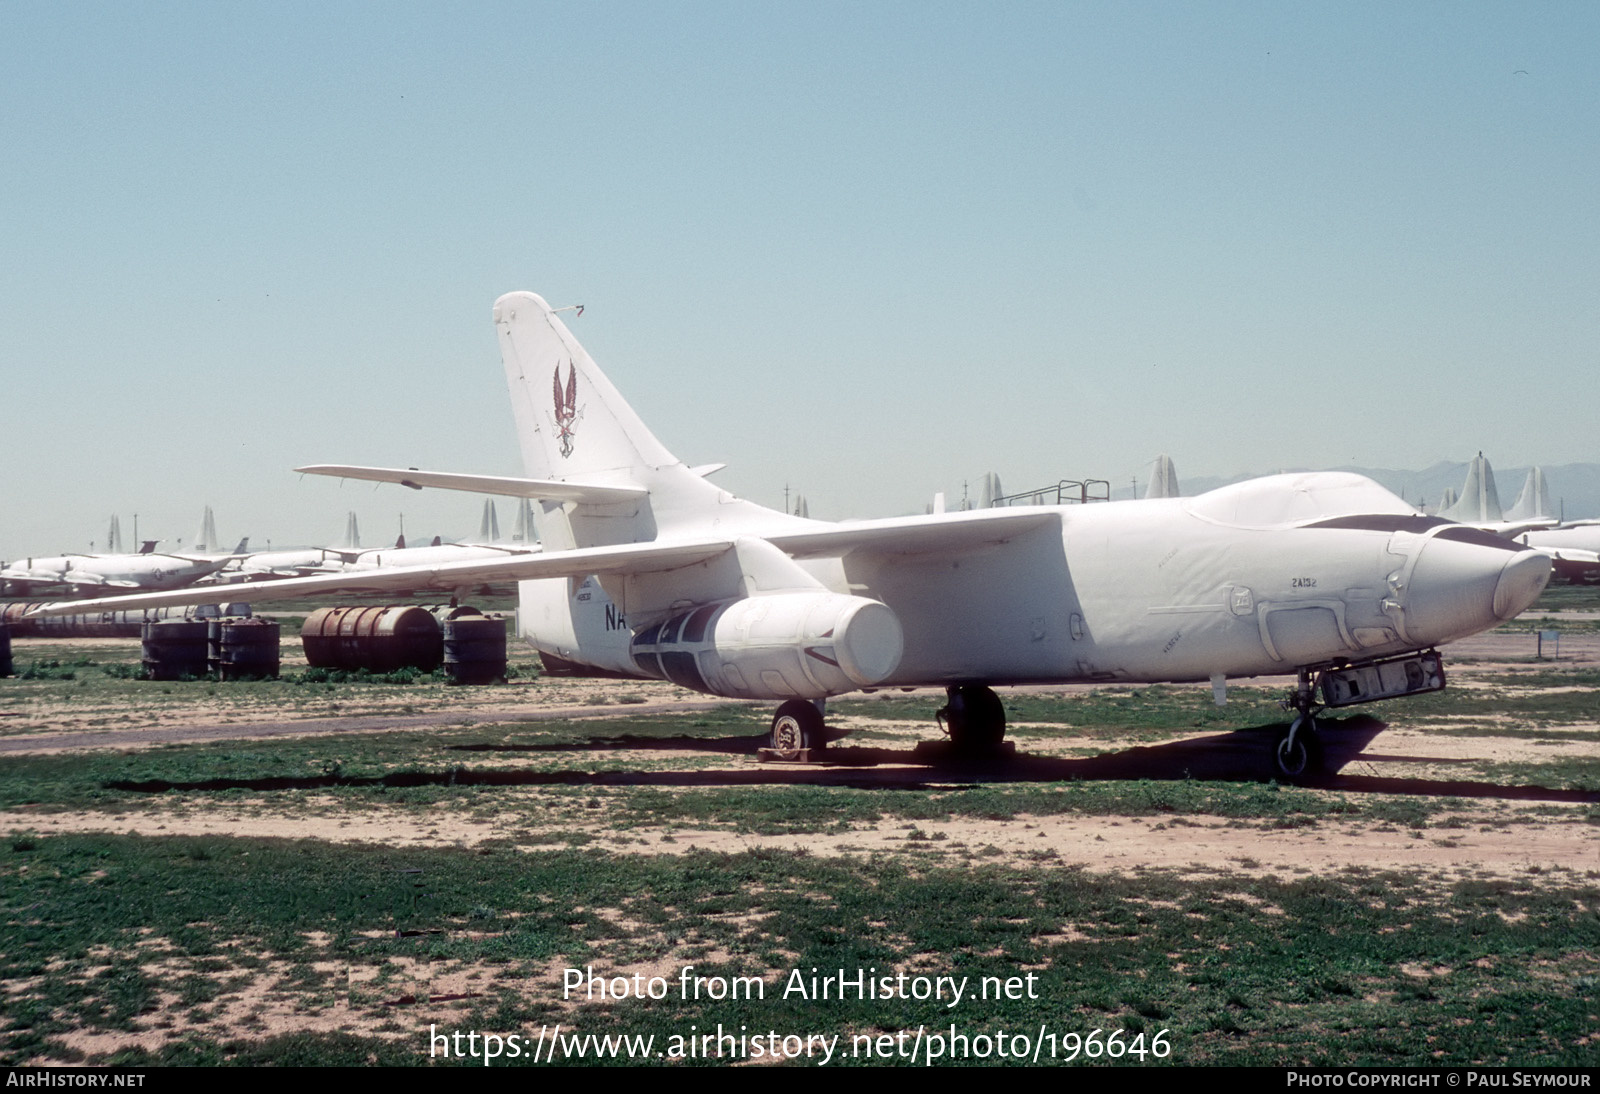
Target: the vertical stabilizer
pixel 522 531
pixel 575 427
pixel 1163 479
pixel 352 534
pixel 1534 501
pixel 206 538
pixel 489 526
pixel 114 537
pixel 990 492
pixel 571 422
pixel 1479 502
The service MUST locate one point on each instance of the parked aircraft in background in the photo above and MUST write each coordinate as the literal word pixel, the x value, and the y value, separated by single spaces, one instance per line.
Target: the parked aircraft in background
pixel 1574 550
pixel 649 570
pixel 157 570
pixel 1163 480
pixel 148 570
pixel 1478 504
pixel 350 557
pixel 295 562
pixel 31 576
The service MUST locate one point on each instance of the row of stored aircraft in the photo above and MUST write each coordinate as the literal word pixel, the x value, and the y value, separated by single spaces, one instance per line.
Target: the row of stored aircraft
pixel 1573 548
pixel 650 570
pixel 152 570
pixel 145 570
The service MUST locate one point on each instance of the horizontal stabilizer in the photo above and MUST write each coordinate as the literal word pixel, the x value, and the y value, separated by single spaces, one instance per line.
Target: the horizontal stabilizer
pixel 545 489
pixel 633 558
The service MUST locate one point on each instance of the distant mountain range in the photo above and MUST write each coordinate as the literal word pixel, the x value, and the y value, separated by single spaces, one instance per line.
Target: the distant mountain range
pixel 1574 487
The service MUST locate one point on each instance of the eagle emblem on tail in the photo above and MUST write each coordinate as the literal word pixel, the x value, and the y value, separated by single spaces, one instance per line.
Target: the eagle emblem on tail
pixel 566 407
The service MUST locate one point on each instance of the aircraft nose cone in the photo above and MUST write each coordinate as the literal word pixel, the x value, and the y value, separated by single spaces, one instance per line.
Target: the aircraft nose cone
pixel 1460 587
pixel 1523 579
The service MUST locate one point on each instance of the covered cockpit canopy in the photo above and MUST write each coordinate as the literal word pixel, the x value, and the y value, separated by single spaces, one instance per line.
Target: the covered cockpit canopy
pixel 1284 501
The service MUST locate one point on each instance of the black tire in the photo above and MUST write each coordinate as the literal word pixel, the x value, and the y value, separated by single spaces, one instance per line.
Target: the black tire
pixel 1303 760
pixel 975 719
pixel 797 726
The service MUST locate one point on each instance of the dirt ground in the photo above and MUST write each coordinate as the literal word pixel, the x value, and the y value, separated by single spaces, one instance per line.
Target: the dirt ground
pixel 1502 831
pixel 1486 828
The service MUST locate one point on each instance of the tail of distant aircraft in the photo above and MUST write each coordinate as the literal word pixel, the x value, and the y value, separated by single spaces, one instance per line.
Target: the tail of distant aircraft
pixel 523 531
pixel 352 534
pixel 1480 501
pixel 1163 480
pixel 206 538
pixel 1534 501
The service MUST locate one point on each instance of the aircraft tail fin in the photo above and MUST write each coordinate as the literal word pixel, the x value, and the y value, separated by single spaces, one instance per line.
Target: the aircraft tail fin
pixel 206 538
pixel 1534 501
pixel 571 422
pixel 576 429
pixel 1163 480
pixel 1480 501
pixel 990 492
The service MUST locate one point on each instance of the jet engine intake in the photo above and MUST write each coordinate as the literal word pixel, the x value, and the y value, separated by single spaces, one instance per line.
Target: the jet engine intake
pixel 784 646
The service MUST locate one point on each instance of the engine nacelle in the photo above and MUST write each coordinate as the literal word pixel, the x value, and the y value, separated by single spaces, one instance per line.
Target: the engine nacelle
pixel 785 646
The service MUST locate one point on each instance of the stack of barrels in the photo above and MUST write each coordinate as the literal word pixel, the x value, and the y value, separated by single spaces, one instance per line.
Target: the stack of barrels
pixel 231 648
pixel 470 645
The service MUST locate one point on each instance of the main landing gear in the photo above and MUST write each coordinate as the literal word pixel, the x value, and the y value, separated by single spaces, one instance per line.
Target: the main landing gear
pixel 1298 753
pixel 974 718
pixel 797 730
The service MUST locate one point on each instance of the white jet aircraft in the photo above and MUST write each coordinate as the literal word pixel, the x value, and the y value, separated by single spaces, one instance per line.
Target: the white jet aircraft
pixel 650 570
pixel 152 570
pixel 148 570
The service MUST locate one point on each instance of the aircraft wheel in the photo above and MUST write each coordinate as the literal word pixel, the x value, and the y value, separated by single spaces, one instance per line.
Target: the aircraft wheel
pixel 795 727
pixel 975 719
pixel 1299 753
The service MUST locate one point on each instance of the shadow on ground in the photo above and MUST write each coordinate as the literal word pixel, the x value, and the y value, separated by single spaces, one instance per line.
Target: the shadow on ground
pixel 1239 756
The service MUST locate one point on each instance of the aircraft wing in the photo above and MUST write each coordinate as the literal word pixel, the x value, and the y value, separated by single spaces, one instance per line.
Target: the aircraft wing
pixel 1570 554
pixel 629 557
pixel 948 533
pixel 548 489
pixel 935 533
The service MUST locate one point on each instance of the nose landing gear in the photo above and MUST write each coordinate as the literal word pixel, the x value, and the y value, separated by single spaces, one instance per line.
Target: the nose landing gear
pixel 1298 753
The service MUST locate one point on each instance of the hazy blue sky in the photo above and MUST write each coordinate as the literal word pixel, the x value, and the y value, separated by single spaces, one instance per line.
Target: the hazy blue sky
pixel 869 250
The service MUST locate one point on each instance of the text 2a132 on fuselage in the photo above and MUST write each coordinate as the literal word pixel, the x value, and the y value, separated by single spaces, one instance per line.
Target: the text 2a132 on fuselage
pixel 650 570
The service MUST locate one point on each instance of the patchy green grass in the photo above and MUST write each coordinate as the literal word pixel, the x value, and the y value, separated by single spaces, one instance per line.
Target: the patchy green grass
pixel 173 938
pixel 1504 703
pixel 194 945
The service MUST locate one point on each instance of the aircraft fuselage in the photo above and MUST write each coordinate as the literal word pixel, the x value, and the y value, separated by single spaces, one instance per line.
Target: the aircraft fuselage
pixel 1135 591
